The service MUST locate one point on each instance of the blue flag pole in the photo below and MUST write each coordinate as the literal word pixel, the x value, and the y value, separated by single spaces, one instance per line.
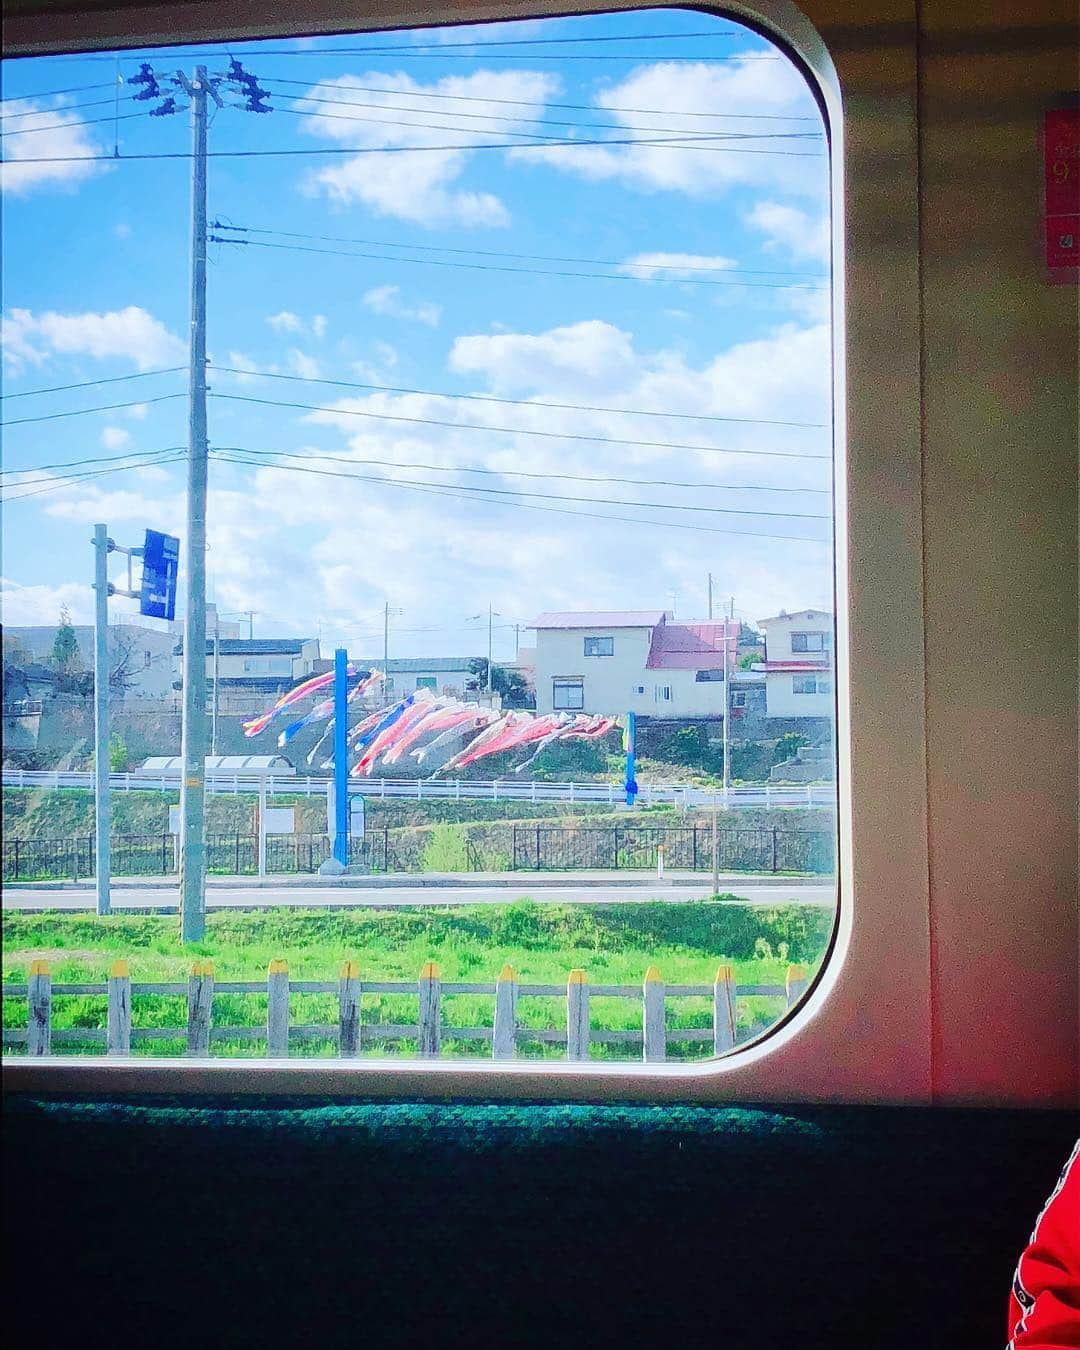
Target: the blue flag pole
pixel 341 757
pixel 629 745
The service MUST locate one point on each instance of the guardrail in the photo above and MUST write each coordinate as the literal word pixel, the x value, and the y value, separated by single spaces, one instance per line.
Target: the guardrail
pixel 351 1034
pixel 438 789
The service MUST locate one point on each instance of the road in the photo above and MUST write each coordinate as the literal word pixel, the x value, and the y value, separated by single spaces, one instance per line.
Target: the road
pixel 164 900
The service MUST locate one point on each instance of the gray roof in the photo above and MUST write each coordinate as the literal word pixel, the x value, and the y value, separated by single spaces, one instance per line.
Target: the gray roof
pixel 219 764
pixel 252 646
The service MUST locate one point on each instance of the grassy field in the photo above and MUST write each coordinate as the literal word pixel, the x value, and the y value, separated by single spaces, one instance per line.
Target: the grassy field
pixel 613 943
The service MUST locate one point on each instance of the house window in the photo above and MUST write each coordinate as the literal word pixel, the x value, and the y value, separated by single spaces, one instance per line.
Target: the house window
pixel 599 646
pixel 663 693
pixel 809 684
pixel 639 688
pixel 738 699
pixel 811 642
pixel 709 677
pixel 425 681
pixel 567 695
pixel 147 660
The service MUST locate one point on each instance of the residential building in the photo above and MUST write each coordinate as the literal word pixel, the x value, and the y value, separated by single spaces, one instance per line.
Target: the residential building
pixel 798 665
pixel 140 657
pixel 252 672
pixel 633 661
pixel 450 675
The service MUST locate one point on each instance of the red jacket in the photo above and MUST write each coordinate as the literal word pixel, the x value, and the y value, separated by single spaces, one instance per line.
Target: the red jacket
pixel 1044 1307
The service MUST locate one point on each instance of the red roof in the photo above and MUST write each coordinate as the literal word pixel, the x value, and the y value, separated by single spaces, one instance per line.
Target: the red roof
pixel 692 646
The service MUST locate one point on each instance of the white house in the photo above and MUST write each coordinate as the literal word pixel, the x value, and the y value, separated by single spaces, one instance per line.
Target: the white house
pixel 441 674
pixel 252 672
pixel 632 661
pixel 798 663
pixel 144 653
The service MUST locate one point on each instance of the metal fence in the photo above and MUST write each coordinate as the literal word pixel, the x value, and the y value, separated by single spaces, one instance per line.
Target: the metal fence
pixel 431 1033
pixel 157 855
pixel 541 848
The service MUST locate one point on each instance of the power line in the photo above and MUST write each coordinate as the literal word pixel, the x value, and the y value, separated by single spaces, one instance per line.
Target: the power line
pixel 557 497
pixel 62 108
pixel 83 477
pixel 87 384
pixel 79 412
pixel 553 510
pixel 94 459
pixel 55 93
pixel 676 142
pixel 532 103
pixel 527 257
pixel 521 473
pixel 521 121
pixel 527 271
pixel 79 122
pixel 514 431
pixel 520 402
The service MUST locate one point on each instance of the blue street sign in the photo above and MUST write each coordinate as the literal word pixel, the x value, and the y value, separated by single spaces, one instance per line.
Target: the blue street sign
pixel 161 563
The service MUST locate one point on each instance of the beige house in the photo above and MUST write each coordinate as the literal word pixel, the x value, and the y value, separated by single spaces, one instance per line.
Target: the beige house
pixel 798 664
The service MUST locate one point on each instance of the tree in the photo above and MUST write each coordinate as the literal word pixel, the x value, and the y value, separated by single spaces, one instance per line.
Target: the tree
pixel 788 746
pixel 119 759
pixel 509 684
pixel 748 660
pixel 65 656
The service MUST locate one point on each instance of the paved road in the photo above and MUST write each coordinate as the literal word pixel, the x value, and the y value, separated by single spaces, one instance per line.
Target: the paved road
pixel 164 900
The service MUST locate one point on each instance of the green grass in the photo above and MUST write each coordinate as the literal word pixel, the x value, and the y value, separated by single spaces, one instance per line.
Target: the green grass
pixel 613 943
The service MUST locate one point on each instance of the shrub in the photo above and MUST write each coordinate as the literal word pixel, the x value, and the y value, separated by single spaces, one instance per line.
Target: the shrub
pixel 445 850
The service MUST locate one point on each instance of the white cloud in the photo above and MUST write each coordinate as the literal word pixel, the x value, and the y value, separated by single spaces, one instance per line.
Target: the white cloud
pixel 28 605
pixel 131 334
pixel 582 355
pixel 419 187
pixel 115 438
pixel 795 233
pixel 737 101
pixel 58 145
pixel 300 363
pixel 137 412
pixel 387 300
pixel 675 265
pixel 286 322
pixel 318 326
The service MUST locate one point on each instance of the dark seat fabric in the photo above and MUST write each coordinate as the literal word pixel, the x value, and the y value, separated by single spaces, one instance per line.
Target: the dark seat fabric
pixel 285 1223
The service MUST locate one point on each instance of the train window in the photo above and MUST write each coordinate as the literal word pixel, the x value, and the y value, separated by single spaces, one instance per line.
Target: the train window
pixel 501 347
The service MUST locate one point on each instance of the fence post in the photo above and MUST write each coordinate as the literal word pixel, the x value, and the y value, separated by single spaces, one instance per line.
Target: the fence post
pixel 429 1024
pixel 349 1010
pixel 577 1015
pixel 386 848
pixel 794 984
pixel 16 859
pixel 39 1009
pixel 775 834
pixel 75 858
pixel 654 1032
pixel 724 1011
pixel 503 1042
pixel 118 1035
pixel 660 862
pixel 513 848
pixel 538 848
pixel 615 845
pixel 277 1010
pixel 199 1001
pixel 164 854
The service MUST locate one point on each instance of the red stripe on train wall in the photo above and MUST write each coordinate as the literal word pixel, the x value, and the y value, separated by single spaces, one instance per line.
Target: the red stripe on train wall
pixel 1061 159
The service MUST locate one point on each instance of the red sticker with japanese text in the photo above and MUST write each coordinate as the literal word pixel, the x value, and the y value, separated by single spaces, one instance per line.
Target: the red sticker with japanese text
pixel 1061 157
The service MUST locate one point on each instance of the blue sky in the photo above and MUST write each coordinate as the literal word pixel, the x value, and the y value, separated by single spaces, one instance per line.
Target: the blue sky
pixel 701 290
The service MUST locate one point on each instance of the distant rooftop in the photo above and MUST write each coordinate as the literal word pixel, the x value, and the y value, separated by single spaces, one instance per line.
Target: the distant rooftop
pixel 822 614
pixel 692 646
pixel 218 764
pixel 601 618
pixel 252 646
pixel 438 665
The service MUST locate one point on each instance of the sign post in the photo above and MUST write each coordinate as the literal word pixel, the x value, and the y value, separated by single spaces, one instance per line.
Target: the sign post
pixel 630 749
pixel 341 757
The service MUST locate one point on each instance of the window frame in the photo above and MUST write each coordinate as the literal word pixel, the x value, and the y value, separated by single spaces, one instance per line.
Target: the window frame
pixel 596 642
pixel 824 1050
pixel 567 682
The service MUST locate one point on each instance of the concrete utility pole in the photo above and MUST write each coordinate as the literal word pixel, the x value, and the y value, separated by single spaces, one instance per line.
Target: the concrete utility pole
pixel 217 655
pixel 727 697
pixel 101 715
pixel 490 614
pixel 710 595
pixel 193 726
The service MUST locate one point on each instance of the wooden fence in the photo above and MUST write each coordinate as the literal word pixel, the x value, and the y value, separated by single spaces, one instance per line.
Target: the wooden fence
pixel 350 1033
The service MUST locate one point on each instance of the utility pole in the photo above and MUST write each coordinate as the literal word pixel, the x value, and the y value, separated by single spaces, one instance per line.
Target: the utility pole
pixel 101 715
pixel 727 698
pixel 489 652
pixel 517 641
pixel 710 595
pixel 388 609
pixel 217 655
pixel 193 726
